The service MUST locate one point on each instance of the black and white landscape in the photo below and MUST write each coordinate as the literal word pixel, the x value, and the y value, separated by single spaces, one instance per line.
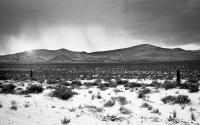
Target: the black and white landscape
pixel 99 62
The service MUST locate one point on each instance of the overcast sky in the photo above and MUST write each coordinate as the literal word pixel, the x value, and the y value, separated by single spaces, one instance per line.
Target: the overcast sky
pixel 94 25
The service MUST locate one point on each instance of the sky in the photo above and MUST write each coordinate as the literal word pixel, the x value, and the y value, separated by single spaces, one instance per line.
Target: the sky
pixel 97 25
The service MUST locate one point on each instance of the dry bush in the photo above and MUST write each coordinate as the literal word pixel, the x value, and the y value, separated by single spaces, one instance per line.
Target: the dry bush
pixel 109 103
pixel 169 85
pixel 122 82
pixel 122 100
pixel 124 110
pixel 34 89
pixel 63 93
pixel 180 99
pixel 8 88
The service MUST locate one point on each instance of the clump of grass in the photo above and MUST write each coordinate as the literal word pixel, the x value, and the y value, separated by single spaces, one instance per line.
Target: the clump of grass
pixel 180 99
pixel 109 103
pixel 72 109
pixel 146 105
pixel 193 117
pixel 65 121
pixel 8 88
pixel 63 93
pixel 13 105
pixel 90 91
pixel 156 111
pixel 124 110
pixel 143 92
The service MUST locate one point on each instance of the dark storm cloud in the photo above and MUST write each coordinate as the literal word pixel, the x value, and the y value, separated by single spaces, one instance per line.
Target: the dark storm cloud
pixel 173 22
pixel 170 21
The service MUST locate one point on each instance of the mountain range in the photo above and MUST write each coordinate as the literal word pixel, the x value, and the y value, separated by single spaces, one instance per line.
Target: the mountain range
pixel 139 53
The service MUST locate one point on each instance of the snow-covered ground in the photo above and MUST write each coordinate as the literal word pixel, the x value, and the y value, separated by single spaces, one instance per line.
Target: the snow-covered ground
pixel 86 109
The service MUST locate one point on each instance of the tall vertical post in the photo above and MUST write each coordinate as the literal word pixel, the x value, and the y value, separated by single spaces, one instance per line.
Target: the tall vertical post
pixel 31 73
pixel 178 78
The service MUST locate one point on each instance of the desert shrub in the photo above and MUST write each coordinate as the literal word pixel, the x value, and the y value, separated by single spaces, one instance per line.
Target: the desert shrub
pixel 169 99
pixel 122 100
pixel 72 109
pixel 41 80
pixel 117 90
pixel 183 99
pixel 169 85
pixel 33 79
pixel 174 114
pixel 113 84
pixel 98 81
pixel 124 110
pixel 99 96
pixel 63 93
pixel 143 92
pixel 132 84
pixel 184 85
pixel 102 86
pixel 51 81
pixel 8 88
pixel 180 99
pixel 65 121
pixel 34 89
pixel 155 84
pixel 122 82
pixel 146 105
pixel 13 105
pixel 65 83
pixel 192 87
pixel 109 103
pixel 76 83
pixel 90 84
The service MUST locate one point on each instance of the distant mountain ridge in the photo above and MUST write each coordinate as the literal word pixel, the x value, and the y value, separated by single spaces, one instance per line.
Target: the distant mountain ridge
pixel 144 52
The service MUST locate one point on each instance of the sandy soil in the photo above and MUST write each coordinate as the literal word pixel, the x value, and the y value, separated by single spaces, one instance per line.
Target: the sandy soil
pixel 41 109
